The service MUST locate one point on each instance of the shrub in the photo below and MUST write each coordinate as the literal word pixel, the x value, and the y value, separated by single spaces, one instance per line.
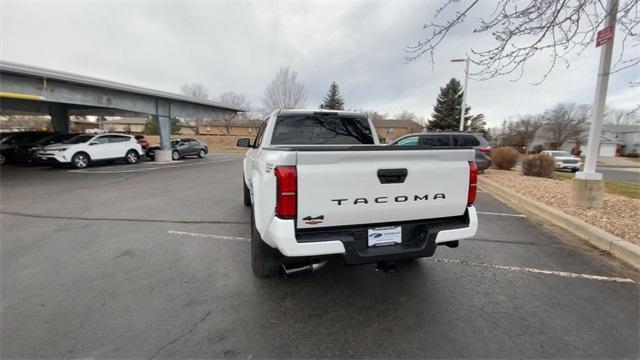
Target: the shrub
pixel 539 165
pixel 504 158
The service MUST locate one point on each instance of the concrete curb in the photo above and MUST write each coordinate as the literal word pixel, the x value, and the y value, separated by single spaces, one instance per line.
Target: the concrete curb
pixel 618 247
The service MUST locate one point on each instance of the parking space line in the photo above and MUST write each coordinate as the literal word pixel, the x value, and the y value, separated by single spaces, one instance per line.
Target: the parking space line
pixel 211 236
pixel 533 270
pixel 500 214
pixel 86 171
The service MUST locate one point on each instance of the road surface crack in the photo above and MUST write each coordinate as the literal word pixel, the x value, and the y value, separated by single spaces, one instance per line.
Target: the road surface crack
pixel 83 218
pixel 176 339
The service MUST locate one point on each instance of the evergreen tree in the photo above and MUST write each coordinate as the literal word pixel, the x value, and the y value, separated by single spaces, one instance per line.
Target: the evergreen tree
pixel 446 112
pixel 151 126
pixel 333 100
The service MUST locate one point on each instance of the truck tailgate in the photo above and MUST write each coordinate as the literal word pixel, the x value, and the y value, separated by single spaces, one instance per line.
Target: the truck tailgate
pixel 337 188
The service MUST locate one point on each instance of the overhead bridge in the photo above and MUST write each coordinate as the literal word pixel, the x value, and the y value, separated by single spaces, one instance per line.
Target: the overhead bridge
pixel 26 89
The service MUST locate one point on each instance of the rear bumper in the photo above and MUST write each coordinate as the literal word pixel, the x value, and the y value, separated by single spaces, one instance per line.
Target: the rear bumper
pixel 419 239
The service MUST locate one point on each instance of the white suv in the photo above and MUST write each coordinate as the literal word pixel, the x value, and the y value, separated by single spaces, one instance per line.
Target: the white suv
pixel 564 160
pixel 83 149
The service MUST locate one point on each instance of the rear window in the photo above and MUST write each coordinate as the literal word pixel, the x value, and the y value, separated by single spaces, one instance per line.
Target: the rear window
pixel 320 130
pixel 465 140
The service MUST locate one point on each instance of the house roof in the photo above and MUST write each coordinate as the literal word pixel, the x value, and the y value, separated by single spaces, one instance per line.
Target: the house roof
pixel 392 123
pixel 621 128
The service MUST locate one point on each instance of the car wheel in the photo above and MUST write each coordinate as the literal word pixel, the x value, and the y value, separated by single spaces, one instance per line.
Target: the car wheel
pixel 201 154
pixel 175 155
pixel 265 261
pixel 247 194
pixel 132 157
pixel 574 170
pixel 80 160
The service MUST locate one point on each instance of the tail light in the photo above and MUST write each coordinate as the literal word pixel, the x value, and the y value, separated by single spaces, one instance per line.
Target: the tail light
pixel 485 149
pixel 286 191
pixel 473 183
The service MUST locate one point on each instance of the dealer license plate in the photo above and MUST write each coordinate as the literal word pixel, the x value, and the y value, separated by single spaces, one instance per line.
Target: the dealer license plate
pixel 382 236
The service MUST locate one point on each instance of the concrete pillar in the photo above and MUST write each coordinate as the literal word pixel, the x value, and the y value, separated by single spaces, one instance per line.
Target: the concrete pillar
pixel 59 117
pixel 164 128
pixel 586 193
pixel 163 117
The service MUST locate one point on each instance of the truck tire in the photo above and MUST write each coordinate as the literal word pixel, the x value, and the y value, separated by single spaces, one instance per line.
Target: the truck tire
pixel 247 194
pixel 264 259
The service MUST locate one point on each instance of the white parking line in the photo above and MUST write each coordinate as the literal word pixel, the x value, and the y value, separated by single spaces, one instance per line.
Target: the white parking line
pixel 211 236
pixel 448 261
pixel 500 214
pixel 86 171
pixel 532 270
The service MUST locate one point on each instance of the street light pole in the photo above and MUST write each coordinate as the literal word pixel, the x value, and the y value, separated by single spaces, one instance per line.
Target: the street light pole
pixel 588 188
pixel 464 92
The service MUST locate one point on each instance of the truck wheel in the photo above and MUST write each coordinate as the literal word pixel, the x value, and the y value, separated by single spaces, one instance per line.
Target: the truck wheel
pixel 247 194
pixel 264 259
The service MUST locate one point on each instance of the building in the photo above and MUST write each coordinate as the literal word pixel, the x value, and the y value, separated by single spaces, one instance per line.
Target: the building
pixel 628 136
pixel 129 125
pixel 389 129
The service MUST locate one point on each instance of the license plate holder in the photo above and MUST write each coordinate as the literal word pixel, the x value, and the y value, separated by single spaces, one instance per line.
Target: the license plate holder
pixel 384 236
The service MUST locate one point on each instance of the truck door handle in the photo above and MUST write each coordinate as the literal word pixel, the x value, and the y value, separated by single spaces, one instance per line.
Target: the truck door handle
pixel 392 176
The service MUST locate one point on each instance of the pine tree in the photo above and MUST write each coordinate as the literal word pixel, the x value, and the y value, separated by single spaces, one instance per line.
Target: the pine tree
pixel 333 100
pixel 446 112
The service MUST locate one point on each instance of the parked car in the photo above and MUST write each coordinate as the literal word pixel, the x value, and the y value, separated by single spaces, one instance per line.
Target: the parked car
pixel 452 139
pixel 564 160
pixel 82 150
pixel 55 138
pixel 181 148
pixel 320 185
pixel 142 141
pixel 15 146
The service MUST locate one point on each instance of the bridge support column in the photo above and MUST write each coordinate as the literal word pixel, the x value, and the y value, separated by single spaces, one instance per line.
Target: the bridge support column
pixel 59 117
pixel 163 117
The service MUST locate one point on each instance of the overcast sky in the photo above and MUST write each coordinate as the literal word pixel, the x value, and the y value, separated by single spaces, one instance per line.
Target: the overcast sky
pixel 233 46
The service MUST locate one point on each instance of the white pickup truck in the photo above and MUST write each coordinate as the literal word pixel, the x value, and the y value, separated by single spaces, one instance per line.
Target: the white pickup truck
pixel 321 185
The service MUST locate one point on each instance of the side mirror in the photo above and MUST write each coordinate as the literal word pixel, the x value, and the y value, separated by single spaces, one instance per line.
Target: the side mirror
pixel 244 142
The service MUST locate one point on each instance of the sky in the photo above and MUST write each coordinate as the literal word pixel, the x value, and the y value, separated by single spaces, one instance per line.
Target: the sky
pixel 237 46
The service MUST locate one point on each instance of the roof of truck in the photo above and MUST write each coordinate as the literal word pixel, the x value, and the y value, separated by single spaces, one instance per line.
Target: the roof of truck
pixel 320 112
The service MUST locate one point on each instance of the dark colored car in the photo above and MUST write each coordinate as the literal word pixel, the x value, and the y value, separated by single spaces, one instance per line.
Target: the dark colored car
pixel 15 147
pixel 55 138
pixel 181 148
pixel 143 142
pixel 477 141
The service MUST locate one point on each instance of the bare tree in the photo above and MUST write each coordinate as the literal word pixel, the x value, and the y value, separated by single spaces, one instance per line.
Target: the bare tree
pixel 565 122
pixel 621 117
pixel 284 91
pixel 233 99
pixel 406 115
pixel 522 131
pixel 529 28
pixel 197 91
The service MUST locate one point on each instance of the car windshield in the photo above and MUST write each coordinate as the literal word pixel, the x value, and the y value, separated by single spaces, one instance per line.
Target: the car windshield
pixel 79 139
pixel 320 130
pixel 560 154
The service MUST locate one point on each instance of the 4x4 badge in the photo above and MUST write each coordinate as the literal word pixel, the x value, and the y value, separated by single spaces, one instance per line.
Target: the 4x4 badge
pixel 309 220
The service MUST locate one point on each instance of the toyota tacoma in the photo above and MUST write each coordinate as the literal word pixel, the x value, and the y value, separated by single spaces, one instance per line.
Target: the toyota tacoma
pixel 320 184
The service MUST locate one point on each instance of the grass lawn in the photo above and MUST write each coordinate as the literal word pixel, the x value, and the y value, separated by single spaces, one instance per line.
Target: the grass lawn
pixel 623 188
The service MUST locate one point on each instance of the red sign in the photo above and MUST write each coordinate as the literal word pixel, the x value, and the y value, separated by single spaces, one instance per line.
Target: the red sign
pixel 604 36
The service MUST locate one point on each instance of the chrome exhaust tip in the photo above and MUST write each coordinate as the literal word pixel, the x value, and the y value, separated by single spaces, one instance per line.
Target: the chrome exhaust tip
pixel 313 267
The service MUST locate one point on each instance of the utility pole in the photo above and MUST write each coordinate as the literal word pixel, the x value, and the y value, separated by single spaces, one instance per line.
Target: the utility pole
pixel 464 92
pixel 588 187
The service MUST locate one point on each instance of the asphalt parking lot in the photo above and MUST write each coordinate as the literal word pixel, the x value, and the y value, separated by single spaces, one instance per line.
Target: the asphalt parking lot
pixel 152 261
